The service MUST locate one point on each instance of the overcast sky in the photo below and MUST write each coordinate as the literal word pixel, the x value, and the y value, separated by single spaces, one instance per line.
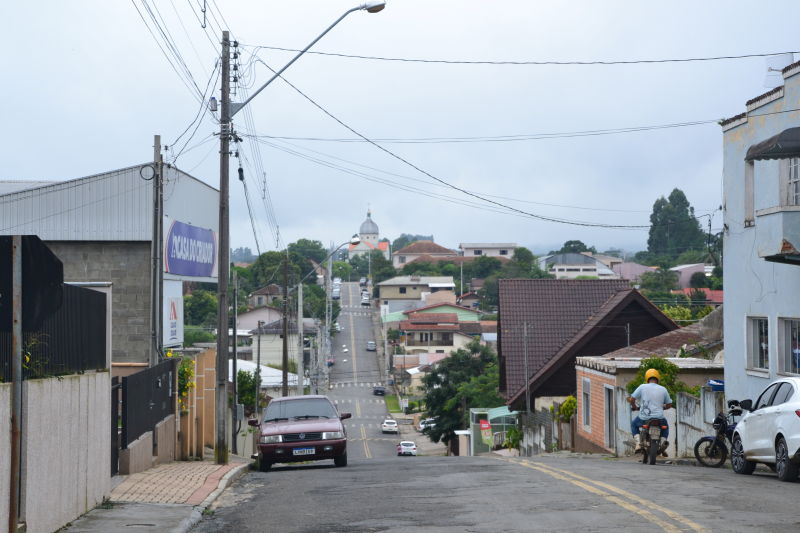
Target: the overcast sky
pixel 86 87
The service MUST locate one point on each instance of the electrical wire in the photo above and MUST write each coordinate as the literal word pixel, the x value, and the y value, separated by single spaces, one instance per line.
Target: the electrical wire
pixel 557 63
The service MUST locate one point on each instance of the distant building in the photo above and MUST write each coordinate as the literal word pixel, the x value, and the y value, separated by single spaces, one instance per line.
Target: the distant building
pixel 370 239
pixel 413 287
pixel 264 296
pixel 631 271
pixel 417 249
pixel 489 249
pixel 432 333
pixel 571 265
pixel 685 273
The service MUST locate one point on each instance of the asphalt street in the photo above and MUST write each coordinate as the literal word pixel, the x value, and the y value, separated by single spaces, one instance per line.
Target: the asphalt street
pixel 353 377
pixel 490 494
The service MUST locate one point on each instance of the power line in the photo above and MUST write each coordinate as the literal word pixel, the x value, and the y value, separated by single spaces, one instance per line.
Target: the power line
pixel 542 63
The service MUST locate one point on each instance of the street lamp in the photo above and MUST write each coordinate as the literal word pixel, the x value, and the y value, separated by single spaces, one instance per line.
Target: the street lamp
pixel 228 110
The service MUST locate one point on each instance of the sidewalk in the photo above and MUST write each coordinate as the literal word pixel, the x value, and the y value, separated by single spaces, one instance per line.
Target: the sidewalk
pixel 168 498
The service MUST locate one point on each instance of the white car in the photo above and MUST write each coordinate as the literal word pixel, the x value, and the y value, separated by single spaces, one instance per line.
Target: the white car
pixel 365 301
pixel 390 426
pixel 770 432
pixel 406 448
pixel 427 423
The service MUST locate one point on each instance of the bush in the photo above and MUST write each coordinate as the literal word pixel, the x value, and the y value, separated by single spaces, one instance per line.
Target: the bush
pixel 567 408
pixel 191 336
pixel 669 377
pixel 678 314
pixel 412 405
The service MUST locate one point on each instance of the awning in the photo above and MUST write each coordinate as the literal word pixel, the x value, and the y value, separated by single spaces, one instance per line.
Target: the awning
pixel 784 145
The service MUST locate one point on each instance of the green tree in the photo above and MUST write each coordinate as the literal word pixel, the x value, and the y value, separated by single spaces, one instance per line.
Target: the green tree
pixel 197 307
pixel 660 280
pixel 490 292
pixel 673 227
pixel 678 314
pixel 401 242
pixel 669 377
pixel 485 266
pixel 523 255
pixel 481 390
pixel 698 280
pixel 717 272
pixel 574 247
pixel 342 270
pixel 382 268
pixel 443 386
pixel 309 249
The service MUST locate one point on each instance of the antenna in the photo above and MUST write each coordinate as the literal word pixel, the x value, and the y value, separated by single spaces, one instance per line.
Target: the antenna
pixel 775 64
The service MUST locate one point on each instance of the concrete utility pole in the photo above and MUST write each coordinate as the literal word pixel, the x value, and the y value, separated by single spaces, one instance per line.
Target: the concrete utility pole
pixel 301 353
pixel 328 317
pixel 527 375
pixel 285 360
pixel 155 247
pixel 235 394
pixel 16 381
pixel 221 400
pixel 258 370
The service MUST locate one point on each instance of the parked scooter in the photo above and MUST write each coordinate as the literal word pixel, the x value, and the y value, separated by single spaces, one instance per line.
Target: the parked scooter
pixel 710 450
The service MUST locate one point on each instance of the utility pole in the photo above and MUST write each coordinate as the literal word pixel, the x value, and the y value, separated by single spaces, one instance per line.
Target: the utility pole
pixel 16 382
pixel 628 331
pixel 301 354
pixel 285 360
pixel 155 248
pixel 221 399
pixel 258 370
pixel 235 403
pixel 328 317
pixel 527 375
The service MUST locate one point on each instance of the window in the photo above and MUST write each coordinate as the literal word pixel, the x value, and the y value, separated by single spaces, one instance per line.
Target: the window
pixel 477 252
pixel 794 182
pixel 503 252
pixel 760 344
pixel 260 300
pixel 785 392
pixel 439 351
pixel 586 399
pixel 573 270
pixel 766 396
pixel 402 290
pixel 401 259
pixel 792 353
pixel 560 269
pixel 445 336
pixel 414 288
pixel 590 270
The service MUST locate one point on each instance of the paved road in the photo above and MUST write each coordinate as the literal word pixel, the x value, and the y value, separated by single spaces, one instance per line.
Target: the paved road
pixel 487 494
pixel 352 380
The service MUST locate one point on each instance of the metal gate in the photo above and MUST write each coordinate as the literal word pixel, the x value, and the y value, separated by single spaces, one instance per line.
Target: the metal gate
pixel 116 386
pixel 147 399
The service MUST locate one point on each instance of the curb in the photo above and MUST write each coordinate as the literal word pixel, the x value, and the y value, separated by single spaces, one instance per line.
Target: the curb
pixel 224 483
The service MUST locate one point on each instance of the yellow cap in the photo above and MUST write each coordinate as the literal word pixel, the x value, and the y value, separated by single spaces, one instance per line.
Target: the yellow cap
pixel 652 373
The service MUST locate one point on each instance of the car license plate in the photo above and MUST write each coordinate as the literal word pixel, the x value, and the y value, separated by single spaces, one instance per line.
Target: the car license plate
pixel 304 451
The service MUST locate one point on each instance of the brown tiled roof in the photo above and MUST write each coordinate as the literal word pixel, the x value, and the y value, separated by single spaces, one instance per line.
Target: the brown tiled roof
pixel 455 259
pixel 561 315
pixel 488 326
pixel 425 247
pixel 470 328
pixel 432 318
pixel 439 305
pixel 733 119
pixel 767 94
pixel 406 325
pixel 269 289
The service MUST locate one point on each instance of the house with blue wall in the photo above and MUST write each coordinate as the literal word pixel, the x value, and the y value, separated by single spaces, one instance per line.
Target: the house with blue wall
pixel 761 175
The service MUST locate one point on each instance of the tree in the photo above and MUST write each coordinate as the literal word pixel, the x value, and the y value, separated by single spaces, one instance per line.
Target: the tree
pixel 574 247
pixel 342 270
pixel 717 272
pixel 669 377
pixel 674 228
pixel 401 242
pixel 197 307
pixel 698 280
pixel 660 280
pixel 392 334
pixel 678 314
pixel 382 268
pixel 309 249
pixel 484 266
pixel 523 255
pixel 451 379
pixel 490 291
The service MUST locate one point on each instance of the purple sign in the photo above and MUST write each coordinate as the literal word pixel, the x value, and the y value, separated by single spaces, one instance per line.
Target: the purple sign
pixel 190 251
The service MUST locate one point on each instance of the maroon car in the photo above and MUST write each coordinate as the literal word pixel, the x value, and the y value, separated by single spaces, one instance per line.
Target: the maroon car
pixel 301 428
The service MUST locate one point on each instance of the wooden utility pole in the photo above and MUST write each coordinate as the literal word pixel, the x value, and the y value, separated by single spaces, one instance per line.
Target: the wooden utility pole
pixel 301 354
pixel 258 370
pixel 285 388
pixel 527 376
pixel 235 380
pixel 221 399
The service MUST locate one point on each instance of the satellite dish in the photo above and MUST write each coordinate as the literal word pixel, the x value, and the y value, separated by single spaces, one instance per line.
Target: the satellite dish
pixel 775 64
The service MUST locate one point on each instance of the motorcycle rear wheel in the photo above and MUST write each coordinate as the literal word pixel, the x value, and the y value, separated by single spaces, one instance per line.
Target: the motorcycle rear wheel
pixel 706 456
pixel 653 451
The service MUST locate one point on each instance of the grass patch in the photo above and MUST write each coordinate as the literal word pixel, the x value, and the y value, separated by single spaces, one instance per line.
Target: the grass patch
pixel 393 404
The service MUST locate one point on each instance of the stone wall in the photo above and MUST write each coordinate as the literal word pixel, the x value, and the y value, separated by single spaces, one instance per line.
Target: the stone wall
pixel 126 264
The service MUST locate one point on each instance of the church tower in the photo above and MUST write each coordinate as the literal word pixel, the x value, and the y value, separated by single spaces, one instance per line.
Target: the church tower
pixel 369 231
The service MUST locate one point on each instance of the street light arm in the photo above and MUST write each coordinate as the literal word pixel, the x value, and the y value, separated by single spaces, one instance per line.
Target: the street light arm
pixel 235 108
pixel 329 255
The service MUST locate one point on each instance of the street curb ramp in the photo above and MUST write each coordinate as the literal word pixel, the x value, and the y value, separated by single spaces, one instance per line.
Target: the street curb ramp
pixel 225 482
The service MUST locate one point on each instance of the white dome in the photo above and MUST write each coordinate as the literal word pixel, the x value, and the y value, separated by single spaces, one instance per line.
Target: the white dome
pixel 368 227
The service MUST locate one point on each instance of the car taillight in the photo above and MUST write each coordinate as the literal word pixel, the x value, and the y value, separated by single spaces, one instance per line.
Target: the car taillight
pixel 797 412
pixel 414 448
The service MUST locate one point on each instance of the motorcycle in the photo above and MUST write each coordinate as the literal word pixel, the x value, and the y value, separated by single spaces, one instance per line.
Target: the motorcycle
pixel 651 439
pixel 710 450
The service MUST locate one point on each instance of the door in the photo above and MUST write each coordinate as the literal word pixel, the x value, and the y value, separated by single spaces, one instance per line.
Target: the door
pixel 755 439
pixel 773 417
pixel 610 425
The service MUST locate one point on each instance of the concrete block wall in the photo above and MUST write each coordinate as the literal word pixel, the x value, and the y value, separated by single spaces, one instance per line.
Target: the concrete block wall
pixel 138 456
pixel 5 455
pixel 66 452
pixel 126 264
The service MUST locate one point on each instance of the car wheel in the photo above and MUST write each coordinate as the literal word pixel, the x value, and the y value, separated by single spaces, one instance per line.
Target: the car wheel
pixel 784 467
pixel 341 461
pixel 739 462
pixel 264 466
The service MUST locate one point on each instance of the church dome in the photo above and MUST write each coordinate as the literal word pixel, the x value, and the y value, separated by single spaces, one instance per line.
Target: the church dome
pixel 369 226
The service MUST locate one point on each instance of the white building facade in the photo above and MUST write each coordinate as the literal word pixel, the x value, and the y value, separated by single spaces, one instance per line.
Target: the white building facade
pixel 471 249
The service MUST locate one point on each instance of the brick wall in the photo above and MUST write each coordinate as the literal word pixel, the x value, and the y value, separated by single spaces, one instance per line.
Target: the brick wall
pixel 126 264
pixel 596 434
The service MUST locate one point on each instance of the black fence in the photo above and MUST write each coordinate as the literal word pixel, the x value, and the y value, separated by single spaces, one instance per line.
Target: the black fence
pixel 147 399
pixel 116 387
pixel 72 340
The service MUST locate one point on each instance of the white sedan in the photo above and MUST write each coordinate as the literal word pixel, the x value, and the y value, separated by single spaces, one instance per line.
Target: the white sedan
pixel 770 432
pixel 427 423
pixel 390 426
pixel 406 448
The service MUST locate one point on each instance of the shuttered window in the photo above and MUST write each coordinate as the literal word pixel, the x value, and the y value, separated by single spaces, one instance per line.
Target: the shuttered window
pixel 587 402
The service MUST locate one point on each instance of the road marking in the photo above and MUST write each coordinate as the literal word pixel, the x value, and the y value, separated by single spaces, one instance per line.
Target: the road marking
pixel 358 409
pixel 366 446
pixel 668 512
pixel 353 344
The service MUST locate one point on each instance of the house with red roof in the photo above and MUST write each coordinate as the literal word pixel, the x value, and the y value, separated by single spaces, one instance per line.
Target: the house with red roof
pixel 420 248
pixel 432 333
pixel 713 298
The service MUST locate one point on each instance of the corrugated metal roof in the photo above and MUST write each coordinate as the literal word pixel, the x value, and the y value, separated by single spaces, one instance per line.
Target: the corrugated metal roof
pixel 414 280
pixel 8 187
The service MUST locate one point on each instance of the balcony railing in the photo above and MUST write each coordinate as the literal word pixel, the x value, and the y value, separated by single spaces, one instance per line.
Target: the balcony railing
pixel 437 342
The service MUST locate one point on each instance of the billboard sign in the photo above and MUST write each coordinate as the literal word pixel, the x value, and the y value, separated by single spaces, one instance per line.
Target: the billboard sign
pixel 486 433
pixel 190 250
pixel 173 313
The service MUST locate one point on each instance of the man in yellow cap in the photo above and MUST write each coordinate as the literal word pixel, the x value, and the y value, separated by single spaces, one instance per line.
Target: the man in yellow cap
pixel 653 400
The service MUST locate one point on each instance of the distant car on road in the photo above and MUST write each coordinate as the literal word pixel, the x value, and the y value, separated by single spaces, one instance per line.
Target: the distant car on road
pixel 335 294
pixel 380 390
pixel 365 301
pixel 337 280
pixel 371 346
pixel 390 426
pixel 427 423
pixel 362 281
pixel 406 448
pixel 338 327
